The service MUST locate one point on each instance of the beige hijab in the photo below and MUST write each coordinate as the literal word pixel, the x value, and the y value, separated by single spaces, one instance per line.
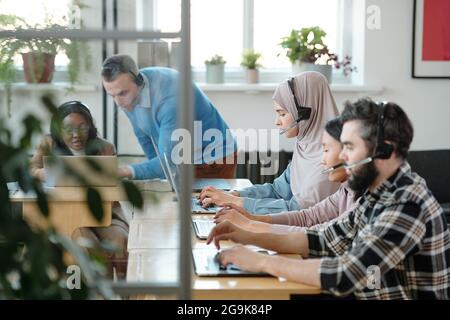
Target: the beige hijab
pixel 309 186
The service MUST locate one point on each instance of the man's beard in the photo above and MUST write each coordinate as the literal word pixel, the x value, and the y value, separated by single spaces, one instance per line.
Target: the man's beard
pixel 362 178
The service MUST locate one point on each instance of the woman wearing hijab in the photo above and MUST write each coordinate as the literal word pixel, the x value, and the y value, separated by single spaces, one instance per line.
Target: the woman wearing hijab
pixel 303 105
pixel 336 206
pixel 78 136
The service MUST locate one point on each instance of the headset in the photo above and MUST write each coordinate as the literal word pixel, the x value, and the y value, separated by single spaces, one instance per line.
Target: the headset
pixel 383 150
pixel 114 66
pixel 304 113
pixel 138 79
pixel 75 103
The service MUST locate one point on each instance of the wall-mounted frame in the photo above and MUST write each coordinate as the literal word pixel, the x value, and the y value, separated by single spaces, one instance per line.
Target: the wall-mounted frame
pixel 431 39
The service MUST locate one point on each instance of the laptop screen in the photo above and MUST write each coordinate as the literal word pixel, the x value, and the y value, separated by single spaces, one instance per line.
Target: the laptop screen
pixel 172 177
pixel 161 162
pixel 75 171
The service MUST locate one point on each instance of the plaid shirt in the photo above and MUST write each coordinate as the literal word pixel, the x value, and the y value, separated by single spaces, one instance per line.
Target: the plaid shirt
pixel 394 245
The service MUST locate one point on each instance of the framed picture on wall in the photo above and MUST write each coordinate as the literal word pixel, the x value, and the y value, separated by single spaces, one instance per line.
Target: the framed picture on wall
pixel 431 39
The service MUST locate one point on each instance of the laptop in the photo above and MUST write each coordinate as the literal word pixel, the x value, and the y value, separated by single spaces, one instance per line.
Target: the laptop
pixel 57 174
pixel 200 184
pixel 161 162
pixel 196 206
pixel 13 188
pixel 202 227
pixel 206 264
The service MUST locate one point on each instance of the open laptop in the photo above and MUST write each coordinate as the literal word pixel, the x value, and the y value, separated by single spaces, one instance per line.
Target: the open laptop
pixel 156 184
pixel 196 206
pixel 57 174
pixel 200 184
pixel 202 227
pixel 206 264
pixel 161 162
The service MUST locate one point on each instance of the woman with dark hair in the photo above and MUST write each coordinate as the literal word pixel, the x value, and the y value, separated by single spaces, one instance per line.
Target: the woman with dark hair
pixel 73 132
pixel 333 207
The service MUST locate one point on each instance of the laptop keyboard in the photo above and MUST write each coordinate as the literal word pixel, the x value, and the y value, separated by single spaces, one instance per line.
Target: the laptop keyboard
pixel 197 207
pixel 203 227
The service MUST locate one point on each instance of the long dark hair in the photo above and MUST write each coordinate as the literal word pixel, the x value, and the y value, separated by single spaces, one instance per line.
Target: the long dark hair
pixel 334 128
pixel 92 145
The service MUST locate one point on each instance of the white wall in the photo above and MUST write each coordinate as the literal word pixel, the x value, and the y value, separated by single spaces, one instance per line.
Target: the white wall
pixel 387 63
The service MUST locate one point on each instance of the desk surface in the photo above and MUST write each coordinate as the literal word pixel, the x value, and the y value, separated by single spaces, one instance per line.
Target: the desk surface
pixel 153 246
pixel 162 265
pixel 72 194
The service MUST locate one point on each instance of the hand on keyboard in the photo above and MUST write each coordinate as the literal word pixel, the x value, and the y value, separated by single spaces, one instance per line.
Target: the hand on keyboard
pixel 217 260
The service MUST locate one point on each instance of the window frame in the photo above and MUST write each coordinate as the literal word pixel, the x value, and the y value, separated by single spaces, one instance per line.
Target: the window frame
pixel 60 74
pixel 267 75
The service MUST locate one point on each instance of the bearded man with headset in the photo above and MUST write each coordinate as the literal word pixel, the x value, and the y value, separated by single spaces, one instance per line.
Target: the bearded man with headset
pixel 395 244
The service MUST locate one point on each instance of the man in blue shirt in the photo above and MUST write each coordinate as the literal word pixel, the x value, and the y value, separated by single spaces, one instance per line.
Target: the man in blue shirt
pixel 149 99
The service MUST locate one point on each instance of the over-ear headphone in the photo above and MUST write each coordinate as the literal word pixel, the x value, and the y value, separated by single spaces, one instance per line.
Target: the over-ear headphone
pixel 75 103
pixel 138 79
pixel 383 150
pixel 122 64
pixel 304 113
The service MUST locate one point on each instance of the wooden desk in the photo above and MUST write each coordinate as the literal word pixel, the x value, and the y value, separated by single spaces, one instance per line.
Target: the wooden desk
pixel 162 265
pixel 153 246
pixel 68 209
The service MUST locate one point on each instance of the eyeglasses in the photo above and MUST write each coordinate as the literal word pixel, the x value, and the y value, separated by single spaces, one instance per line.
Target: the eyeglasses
pixel 81 130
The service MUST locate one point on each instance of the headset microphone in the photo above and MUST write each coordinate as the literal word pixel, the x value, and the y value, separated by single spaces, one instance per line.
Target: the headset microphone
pixel 383 150
pixel 292 125
pixel 348 166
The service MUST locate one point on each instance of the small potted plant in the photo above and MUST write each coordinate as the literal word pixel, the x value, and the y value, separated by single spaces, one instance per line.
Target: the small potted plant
pixel 345 65
pixel 38 55
pixel 250 62
pixel 307 52
pixel 215 67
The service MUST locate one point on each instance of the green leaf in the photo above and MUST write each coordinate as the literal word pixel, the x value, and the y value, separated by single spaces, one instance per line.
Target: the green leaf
pixel 133 194
pixel 42 201
pixel 95 203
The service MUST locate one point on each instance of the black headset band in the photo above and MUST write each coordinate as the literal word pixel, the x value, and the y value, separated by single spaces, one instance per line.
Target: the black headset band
pixel 76 103
pixel 383 150
pixel 304 113
pixel 380 123
pixel 138 78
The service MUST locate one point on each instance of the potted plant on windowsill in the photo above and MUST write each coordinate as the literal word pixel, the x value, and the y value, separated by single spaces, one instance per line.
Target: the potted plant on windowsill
pixel 215 69
pixel 38 55
pixel 307 52
pixel 250 62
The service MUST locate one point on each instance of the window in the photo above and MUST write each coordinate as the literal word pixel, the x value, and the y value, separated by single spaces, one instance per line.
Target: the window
pixel 274 20
pixel 38 12
pixel 228 27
